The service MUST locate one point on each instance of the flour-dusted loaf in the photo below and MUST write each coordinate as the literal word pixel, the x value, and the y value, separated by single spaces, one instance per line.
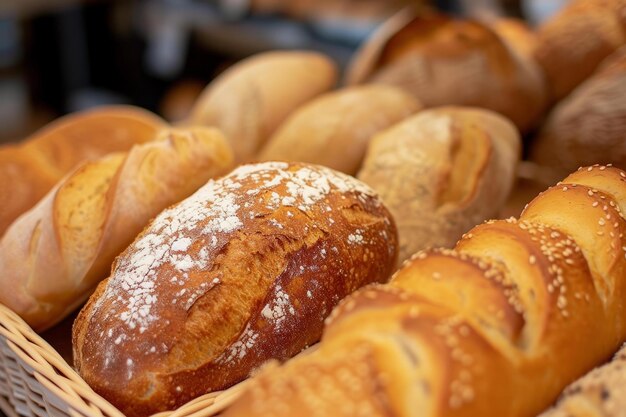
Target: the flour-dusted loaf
pixel 441 172
pixel 496 327
pixel 243 271
pixel 54 255
pixel 335 128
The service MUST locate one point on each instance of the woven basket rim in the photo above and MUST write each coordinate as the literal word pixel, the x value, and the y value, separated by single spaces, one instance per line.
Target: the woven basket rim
pixel 44 366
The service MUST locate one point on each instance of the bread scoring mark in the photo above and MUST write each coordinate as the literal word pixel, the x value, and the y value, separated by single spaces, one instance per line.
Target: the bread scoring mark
pixel 184 240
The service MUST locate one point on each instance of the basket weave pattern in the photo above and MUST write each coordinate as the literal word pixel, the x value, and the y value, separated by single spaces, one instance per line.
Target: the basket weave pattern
pixel 35 381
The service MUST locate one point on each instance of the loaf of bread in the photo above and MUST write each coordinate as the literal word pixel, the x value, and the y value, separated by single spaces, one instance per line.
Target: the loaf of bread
pixel 572 44
pixel 496 327
pixel 243 271
pixel 600 393
pixel 251 99
pixel 589 125
pixel 30 169
pixel 334 129
pixel 443 61
pixel 441 172
pixel 53 256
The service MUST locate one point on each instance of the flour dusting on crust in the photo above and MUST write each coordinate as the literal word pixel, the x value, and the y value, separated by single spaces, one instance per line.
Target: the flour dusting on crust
pixel 131 292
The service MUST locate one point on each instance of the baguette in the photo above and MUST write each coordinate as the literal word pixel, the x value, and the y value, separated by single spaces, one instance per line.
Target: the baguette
pixel 251 99
pixel 334 129
pixel 442 61
pixel 54 255
pixel 30 169
pixel 600 393
pixel 243 271
pixel 496 327
pixel 572 44
pixel 588 126
pixel 441 172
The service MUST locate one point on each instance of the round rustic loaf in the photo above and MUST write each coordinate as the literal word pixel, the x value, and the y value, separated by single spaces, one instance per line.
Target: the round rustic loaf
pixel 243 271
pixel 441 172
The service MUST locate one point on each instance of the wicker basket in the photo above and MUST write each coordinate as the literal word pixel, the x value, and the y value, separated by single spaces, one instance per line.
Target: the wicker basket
pixel 35 381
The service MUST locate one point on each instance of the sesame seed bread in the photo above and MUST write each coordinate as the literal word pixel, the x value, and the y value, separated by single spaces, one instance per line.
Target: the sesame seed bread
pixel 497 326
pixel 243 271
pixel 441 172
pixel 334 129
pixel 445 61
pixel 571 44
pixel 600 393
pixel 253 97
pixel 54 255
pixel 30 169
pixel 588 126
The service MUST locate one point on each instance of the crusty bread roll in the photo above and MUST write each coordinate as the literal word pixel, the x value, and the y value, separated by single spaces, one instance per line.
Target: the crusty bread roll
pixel 30 169
pixel 589 125
pixel 452 62
pixel 572 43
pixel 441 172
pixel 250 100
pixel 243 271
pixel 600 393
pixel 497 327
pixel 54 255
pixel 334 129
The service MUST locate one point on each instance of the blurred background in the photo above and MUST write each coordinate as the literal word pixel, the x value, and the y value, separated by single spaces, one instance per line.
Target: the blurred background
pixel 60 56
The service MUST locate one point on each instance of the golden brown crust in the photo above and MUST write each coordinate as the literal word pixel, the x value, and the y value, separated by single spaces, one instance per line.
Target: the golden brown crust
pixel 251 99
pixel 441 172
pixel 53 256
pixel 515 308
pixel 243 271
pixel 442 61
pixel 572 44
pixel 30 169
pixel 588 126
pixel 334 129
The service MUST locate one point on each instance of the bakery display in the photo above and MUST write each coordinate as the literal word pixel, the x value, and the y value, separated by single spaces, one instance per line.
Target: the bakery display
pixel 497 326
pixel 334 129
pixel 572 44
pixel 54 255
pixel 441 172
pixel 600 393
pixel 588 126
pixel 28 170
pixel 445 61
pixel 251 99
pixel 243 271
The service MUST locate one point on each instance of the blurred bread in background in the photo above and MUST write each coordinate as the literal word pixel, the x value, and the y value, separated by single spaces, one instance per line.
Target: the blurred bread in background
pixel 589 126
pixel 252 98
pixel 335 129
pixel 445 61
pixel 572 44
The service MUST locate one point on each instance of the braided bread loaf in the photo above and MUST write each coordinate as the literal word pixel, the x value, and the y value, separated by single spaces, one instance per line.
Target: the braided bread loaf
pixel 54 255
pixel 496 327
